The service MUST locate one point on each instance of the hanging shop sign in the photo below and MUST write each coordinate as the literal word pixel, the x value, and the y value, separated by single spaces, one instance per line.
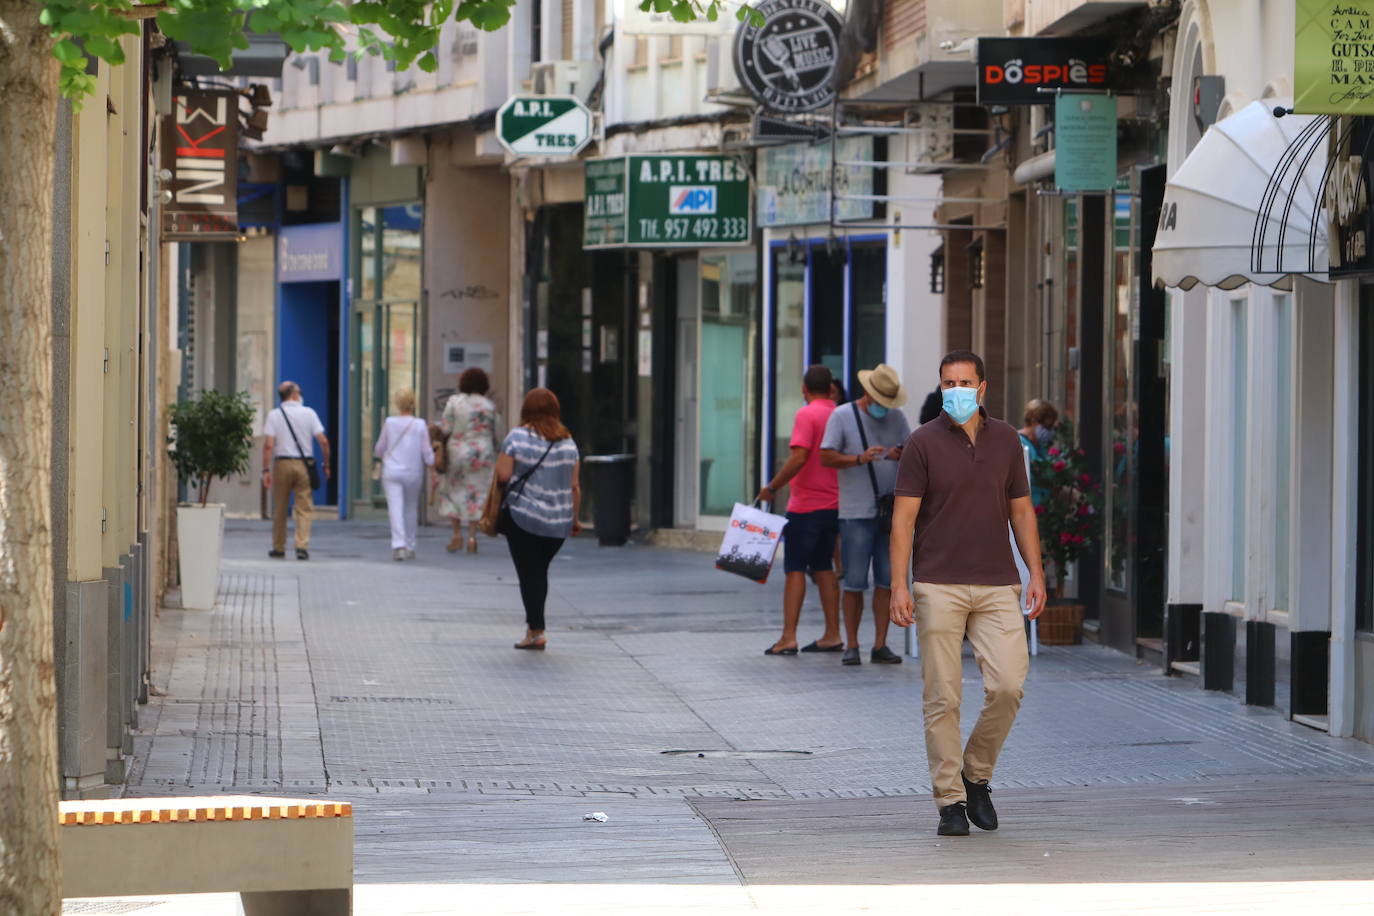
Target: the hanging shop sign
pixel 666 201
pixel 200 148
pixel 1085 142
pixel 1333 66
pixel 603 212
pixel 310 252
pixel 794 182
pixel 543 125
pixel 1347 200
pixel 788 62
pixel 1012 71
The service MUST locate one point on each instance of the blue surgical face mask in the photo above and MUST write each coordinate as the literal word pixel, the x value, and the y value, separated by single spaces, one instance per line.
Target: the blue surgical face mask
pixel 877 411
pixel 960 403
pixel 1044 435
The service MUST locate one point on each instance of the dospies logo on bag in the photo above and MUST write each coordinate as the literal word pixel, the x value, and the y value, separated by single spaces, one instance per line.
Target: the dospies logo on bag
pixel 692 200
pixel 755 529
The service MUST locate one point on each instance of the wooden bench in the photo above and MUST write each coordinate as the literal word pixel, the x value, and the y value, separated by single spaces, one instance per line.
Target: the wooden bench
pixel 283 856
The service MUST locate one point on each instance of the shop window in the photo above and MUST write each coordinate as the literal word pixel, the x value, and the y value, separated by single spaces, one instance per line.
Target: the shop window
pixel 1122 421
pixel 1282 432
pixel 1364 599
pixel 1238 465
pixel 728 425
pixel 789 315
pixel 868 311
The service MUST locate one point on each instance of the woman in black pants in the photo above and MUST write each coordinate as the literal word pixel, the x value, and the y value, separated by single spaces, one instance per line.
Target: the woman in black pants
pixel 539 466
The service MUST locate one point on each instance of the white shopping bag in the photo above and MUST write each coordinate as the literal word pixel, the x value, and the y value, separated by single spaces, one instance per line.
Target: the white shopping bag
pixel 750 543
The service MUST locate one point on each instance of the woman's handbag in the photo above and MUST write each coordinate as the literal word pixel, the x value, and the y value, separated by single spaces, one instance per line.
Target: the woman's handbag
pixel 491 512
pixel 495 512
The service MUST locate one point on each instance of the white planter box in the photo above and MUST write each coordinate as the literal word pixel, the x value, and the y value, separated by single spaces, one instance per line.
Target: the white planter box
pixel 200 533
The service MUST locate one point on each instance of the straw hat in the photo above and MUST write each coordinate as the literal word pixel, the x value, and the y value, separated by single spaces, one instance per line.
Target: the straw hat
pixel 883 385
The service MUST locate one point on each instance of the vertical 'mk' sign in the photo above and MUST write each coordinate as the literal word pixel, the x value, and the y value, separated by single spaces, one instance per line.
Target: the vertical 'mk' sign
pixel 200 149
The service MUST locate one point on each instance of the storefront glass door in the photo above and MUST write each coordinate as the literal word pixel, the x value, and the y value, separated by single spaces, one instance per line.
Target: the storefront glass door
pixel 828 308
pixel 385 329
pixel 728 413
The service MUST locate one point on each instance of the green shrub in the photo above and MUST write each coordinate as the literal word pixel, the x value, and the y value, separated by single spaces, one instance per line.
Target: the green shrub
pixel 212 437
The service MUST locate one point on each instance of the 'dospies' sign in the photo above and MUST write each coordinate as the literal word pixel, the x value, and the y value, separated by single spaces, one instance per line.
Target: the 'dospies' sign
pixel 543 125
pixel 681 201
pixel 1333 63
pixel 1014 71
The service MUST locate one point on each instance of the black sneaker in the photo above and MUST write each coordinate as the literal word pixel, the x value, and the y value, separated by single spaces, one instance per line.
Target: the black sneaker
pixel 953 820
pixel 980 809
pixel 302 553
pixel 851 657
pixel 276 554
pixel 885 656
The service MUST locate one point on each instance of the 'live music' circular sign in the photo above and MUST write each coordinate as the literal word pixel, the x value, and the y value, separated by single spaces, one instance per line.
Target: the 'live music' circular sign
pixel 788 63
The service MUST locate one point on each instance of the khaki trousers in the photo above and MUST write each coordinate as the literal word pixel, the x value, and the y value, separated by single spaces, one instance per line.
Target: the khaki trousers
pixel 290 476
pixel 991 616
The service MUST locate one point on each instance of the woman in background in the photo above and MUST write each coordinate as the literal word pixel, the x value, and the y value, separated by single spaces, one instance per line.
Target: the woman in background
pixel 403 448
pixel 538 465
pixel 469 421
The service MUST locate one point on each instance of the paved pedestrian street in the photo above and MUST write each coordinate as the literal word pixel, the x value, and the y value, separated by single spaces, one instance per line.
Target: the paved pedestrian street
pixel 732 782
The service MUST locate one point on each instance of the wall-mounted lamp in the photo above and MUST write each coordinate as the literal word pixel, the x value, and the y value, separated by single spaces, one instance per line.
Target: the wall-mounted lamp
pixel 937 270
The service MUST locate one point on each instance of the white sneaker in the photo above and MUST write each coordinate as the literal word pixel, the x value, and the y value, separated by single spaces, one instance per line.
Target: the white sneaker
pixel 398 554
pixel 410 554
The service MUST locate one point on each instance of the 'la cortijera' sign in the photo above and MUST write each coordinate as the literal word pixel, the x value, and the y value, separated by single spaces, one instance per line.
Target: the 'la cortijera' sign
pixel 1014 71
pixel 1333 63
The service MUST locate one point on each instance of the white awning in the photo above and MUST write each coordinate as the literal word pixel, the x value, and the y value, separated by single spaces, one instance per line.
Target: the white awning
pixel 1207 228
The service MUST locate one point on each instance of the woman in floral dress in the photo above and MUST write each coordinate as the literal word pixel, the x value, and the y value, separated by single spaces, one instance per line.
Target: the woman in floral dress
pixel 470 423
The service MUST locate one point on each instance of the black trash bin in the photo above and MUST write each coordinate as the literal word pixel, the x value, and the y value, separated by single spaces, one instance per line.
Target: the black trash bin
pixel 612 479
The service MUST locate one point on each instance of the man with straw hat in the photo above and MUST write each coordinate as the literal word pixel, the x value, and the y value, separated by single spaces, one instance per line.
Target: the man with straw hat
pixel 863 442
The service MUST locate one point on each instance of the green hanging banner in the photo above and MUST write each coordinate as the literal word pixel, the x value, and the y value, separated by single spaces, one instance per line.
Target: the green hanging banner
pixel 1084 142
pixel 1333 61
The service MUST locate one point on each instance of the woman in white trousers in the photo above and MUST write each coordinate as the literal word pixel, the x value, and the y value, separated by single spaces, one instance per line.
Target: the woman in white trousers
pixel 405 452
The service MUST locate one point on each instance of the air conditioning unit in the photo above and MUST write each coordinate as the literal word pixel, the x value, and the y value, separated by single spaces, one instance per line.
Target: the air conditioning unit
pixel 564 77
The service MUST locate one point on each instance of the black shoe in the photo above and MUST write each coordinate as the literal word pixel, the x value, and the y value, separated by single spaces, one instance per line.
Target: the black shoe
pixel 851 657
pixel 980 809
pixel 953 820
pixel 814 646
pixel 885 656
pixel 302 553
pixel 276 554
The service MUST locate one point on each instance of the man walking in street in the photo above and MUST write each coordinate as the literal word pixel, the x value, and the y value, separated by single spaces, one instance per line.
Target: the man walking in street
pixel 863 442
pixel 812 520
pixel 961 479
pixel 286 448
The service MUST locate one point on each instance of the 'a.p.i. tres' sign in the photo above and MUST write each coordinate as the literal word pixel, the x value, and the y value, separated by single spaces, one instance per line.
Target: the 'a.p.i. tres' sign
pixel 1014 71
pixel 200 153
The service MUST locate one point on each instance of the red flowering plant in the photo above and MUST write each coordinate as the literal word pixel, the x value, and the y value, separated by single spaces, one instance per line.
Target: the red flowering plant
pixel 1069 505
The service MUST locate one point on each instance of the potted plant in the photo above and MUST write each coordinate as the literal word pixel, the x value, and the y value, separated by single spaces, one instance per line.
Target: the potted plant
pixel 1069 511
pixel 211 437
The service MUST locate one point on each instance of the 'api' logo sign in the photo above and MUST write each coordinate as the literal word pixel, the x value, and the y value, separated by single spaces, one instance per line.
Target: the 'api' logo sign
pixel 691 200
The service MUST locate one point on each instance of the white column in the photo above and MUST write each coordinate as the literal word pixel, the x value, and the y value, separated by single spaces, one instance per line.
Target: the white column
pixel 1261 415
pixel 1188 455
pixel 1220 435
pixel 1344 512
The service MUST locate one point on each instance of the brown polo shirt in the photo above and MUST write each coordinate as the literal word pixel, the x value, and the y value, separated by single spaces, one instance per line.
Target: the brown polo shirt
pixel 965 491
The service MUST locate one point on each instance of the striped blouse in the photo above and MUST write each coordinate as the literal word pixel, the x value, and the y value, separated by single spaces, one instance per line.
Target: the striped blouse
pixel 544 506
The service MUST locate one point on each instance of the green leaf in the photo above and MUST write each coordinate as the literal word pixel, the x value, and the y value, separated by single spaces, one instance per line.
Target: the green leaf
pixel 683 11
pixel 429 63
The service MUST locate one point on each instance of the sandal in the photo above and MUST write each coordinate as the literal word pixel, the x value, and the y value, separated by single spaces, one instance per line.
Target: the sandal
pixel 817 647
pixel 774 651
pixel 453 545
pixel 472 544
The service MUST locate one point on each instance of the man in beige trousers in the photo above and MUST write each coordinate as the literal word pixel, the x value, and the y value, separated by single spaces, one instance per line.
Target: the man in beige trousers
pixel 961 479
pixel 286 443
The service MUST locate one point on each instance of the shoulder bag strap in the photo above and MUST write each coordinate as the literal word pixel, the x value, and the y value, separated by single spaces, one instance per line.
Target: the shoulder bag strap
pixel 399 439
pixel 863 440
pixel 292 431
pixel 511 491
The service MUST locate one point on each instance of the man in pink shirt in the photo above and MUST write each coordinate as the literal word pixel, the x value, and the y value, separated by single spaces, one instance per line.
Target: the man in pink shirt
pixel 813 520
